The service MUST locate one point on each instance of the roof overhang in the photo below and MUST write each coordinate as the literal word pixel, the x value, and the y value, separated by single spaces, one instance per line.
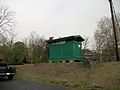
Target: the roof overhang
pixel 77 38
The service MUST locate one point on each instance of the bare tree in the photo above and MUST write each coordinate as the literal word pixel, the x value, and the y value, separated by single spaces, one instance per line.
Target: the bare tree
pixel 3 40
pixel 11 35
pixel 98 42
pixel 7 21
pixel 105 27
pixel 104 37
pixel 37 48
pixel 86 42
pixel 8 38
pixel 117 22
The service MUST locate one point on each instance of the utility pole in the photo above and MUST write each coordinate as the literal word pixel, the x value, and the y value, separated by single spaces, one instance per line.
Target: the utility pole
pixel 114 30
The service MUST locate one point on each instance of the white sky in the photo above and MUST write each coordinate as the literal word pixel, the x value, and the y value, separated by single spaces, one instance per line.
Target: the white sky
pixel 58 18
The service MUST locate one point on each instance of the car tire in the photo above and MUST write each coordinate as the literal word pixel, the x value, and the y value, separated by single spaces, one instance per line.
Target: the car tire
pixel 10 77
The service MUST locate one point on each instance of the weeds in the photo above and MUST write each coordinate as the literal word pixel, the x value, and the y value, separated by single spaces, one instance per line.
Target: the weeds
pixel 104 76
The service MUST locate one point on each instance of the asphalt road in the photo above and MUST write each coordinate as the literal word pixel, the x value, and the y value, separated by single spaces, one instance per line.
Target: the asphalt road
pixel 25 85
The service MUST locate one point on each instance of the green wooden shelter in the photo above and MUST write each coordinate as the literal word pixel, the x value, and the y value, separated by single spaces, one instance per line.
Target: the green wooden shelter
pixel 66 48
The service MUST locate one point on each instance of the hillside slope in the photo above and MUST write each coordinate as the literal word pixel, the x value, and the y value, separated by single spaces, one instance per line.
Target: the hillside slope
pixel 103 76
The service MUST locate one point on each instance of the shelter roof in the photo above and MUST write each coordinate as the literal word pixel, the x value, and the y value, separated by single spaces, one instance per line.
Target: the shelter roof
pixel 67 39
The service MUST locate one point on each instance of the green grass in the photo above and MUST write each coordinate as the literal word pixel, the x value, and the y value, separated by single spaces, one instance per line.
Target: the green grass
pixel 103 76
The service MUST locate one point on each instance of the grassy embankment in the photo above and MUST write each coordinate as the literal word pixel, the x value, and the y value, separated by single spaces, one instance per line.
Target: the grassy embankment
pixel 105 76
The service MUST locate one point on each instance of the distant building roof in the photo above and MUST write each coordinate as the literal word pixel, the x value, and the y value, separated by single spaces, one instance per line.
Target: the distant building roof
pixel 67 39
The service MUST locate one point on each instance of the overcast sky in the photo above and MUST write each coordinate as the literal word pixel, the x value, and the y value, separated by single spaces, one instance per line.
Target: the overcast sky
pixel 58 18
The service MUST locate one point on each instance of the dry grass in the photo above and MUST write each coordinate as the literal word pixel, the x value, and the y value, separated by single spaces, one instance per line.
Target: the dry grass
pixel 104 76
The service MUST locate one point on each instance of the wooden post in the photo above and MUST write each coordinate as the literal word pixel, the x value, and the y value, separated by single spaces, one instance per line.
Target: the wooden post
pixel 114 30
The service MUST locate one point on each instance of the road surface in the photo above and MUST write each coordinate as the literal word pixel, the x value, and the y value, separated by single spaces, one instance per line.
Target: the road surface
pixel 25 85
